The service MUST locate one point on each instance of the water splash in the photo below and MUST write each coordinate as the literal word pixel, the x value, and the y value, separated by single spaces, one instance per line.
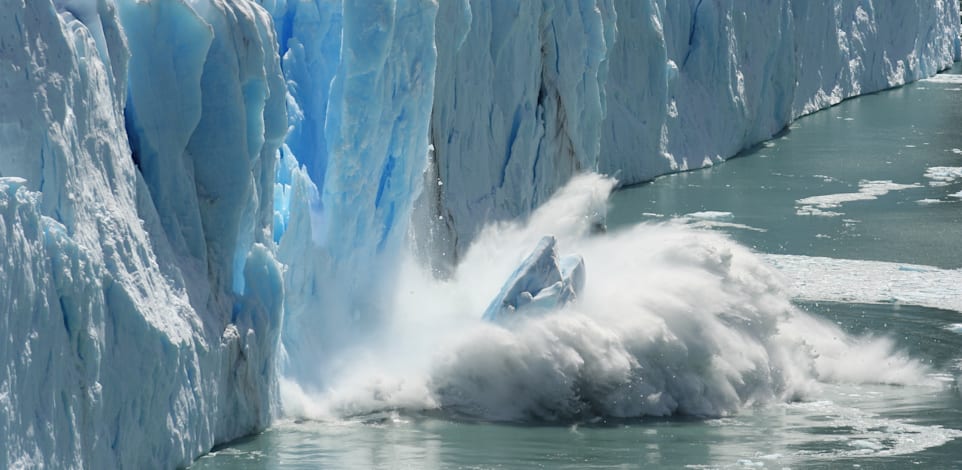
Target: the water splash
pixel 673 320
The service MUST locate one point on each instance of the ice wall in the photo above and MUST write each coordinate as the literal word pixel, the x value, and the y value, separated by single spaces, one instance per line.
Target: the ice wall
pixel 638 89
pixel 140 296
pixel 361 79
pixel 518 108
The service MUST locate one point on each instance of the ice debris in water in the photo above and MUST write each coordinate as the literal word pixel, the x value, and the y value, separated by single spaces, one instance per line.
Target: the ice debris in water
pixel 542 282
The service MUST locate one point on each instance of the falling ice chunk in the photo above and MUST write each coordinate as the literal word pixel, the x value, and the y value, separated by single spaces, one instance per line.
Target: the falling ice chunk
pixel 542 282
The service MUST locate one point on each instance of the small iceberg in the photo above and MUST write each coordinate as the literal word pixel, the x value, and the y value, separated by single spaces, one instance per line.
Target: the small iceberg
pixel 543 282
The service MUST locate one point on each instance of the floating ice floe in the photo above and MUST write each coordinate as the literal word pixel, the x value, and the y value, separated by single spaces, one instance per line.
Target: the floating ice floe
pixel 943 175
pixel 710 215
pixel 867 191
pixel 945 78
pixel 714 220
pixel 842 280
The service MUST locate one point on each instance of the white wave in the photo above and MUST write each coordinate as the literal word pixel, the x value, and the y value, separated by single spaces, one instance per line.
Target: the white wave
pixel 673 320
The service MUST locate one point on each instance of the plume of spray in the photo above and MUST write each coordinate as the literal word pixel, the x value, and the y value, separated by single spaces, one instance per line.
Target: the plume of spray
pixel 672 320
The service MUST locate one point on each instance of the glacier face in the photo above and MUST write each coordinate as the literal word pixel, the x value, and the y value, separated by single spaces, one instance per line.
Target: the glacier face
pixel 126 341
pixel 163 159
pixel 637 89
pixel 361 77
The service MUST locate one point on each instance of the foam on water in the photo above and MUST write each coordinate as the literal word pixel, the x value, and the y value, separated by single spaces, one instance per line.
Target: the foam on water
pixel 863 434
pixel 673 320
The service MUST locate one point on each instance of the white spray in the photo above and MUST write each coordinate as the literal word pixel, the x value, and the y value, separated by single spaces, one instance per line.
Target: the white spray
pixel 673 320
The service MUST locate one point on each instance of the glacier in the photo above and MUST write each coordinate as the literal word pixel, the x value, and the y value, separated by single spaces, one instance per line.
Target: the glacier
pixel 141 293
pixel 199 196
pixel 361 76
pixel 645 88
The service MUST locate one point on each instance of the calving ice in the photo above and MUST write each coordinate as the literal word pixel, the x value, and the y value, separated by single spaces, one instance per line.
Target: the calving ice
pixel 198 197
pixel 669 321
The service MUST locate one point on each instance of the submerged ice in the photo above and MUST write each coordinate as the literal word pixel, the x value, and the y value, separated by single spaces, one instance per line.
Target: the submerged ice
pixel 178 175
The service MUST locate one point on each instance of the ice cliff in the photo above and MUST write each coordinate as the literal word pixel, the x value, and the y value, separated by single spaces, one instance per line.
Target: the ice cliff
pixel 361 77
pixel 141 299
pixel 529 93
pixel 177 175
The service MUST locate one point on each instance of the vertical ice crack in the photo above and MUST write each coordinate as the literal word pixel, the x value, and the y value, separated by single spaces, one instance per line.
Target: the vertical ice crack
pixel 691 32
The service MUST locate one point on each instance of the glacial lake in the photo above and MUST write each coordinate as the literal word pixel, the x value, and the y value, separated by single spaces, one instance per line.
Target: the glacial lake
pixel 876 178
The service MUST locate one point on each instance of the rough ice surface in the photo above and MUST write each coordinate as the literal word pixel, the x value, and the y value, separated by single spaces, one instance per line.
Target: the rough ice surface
pixel 361 77
pixel 140 306
pixel 519 114
pixel 636 89
pixel 542 282
pixel 161 159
